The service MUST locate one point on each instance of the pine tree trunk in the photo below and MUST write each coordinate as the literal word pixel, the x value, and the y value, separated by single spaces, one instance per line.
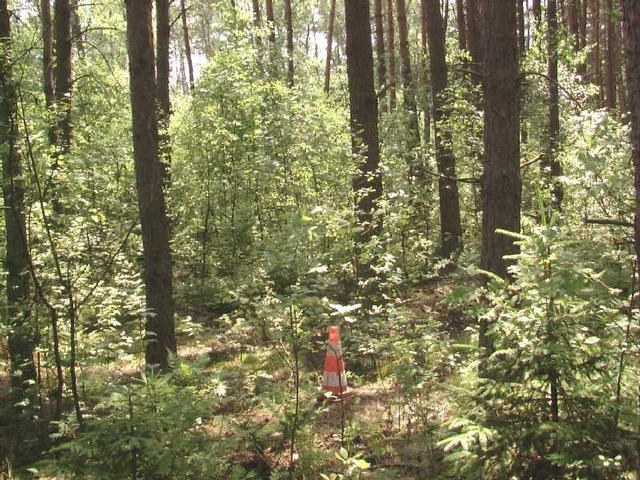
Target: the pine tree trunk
pixel 257 19
pixel 163 33
pixel 632 45
pixel 363 107
pixel 327 66
pixel 424 78
pixel 596 55
pixel 572 23
pixel 451 228
pixel 391 55
pixel 610 80
pixel 581 6
pixel 381 67
pixel 537 11
pixel 63 72
pixel 474 39
pixel 151 203
pixel 501 182
pixel 22 334
pixel 76 27
pixel 271 21
pixel 550 164
pixel 409 92
pixel 187 43
pixel 47 65
pixel 288 17
pixel 582 23
pixel 462 25
pixel 521 30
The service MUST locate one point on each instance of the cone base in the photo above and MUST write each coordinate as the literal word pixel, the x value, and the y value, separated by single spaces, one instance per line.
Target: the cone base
pixel 346 393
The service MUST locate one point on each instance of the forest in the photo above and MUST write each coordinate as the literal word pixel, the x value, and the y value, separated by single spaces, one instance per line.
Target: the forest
pixel 333 240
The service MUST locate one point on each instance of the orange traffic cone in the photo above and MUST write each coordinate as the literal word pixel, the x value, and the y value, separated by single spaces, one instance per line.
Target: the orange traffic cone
pixel 334 379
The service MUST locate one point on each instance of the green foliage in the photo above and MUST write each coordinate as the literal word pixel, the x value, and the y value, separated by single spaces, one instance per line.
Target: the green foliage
pixel 555 336
pixel 152 427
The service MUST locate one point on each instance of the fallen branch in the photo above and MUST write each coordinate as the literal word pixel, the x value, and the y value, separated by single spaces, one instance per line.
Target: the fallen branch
pixel 607 221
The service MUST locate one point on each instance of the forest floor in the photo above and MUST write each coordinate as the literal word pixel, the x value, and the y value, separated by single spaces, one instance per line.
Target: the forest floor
pixel 398 434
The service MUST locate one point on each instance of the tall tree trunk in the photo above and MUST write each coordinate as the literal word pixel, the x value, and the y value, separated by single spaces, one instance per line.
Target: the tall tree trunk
pixel 409 92
pixel 450 225
pixel 271 25
pixel 596 56
pixel 163 35
pixel 363 107
pixel 521 29
pixel 581 9
pixel 582 23
pixel 474 39
pixel 76 27
pixel 327 66
pixel 151 203
pixel 462 25
pixel 187 43
pixel 47 65
pixel 632 34
pixel 537 11
pixel 288 17
pixel 572 23
pixel 610 80
pixel 391 55
pixel 22 334
pixel 501 179
pixel 424 78
pixel 271 21
pixel 257 19
pixel 381 67
pixel 63 72
pixel 550 164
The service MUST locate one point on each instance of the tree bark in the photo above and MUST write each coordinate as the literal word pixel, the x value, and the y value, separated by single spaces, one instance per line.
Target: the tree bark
pixel 151 204
pixel 537 11
pixel 363 108
pixel 163 35
pixel 572 23
pixel 327 67
pixel 288 17
pixel 632 33
pixel 22 334
pixel 596 56
pixel 381 67
pixel 450 224
pixel 582 23
pixel 550 165
pixel 187 43
pixel 271 21
pixel 47 65
pixel 501 179
pixel 474 39
pixel 424 79
pixel 521 29
pixel 63 72
pixel 391 55
pixel 76 27
pixel 462 25
pixel 409 91
pixel 610 79
pixel 257 19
